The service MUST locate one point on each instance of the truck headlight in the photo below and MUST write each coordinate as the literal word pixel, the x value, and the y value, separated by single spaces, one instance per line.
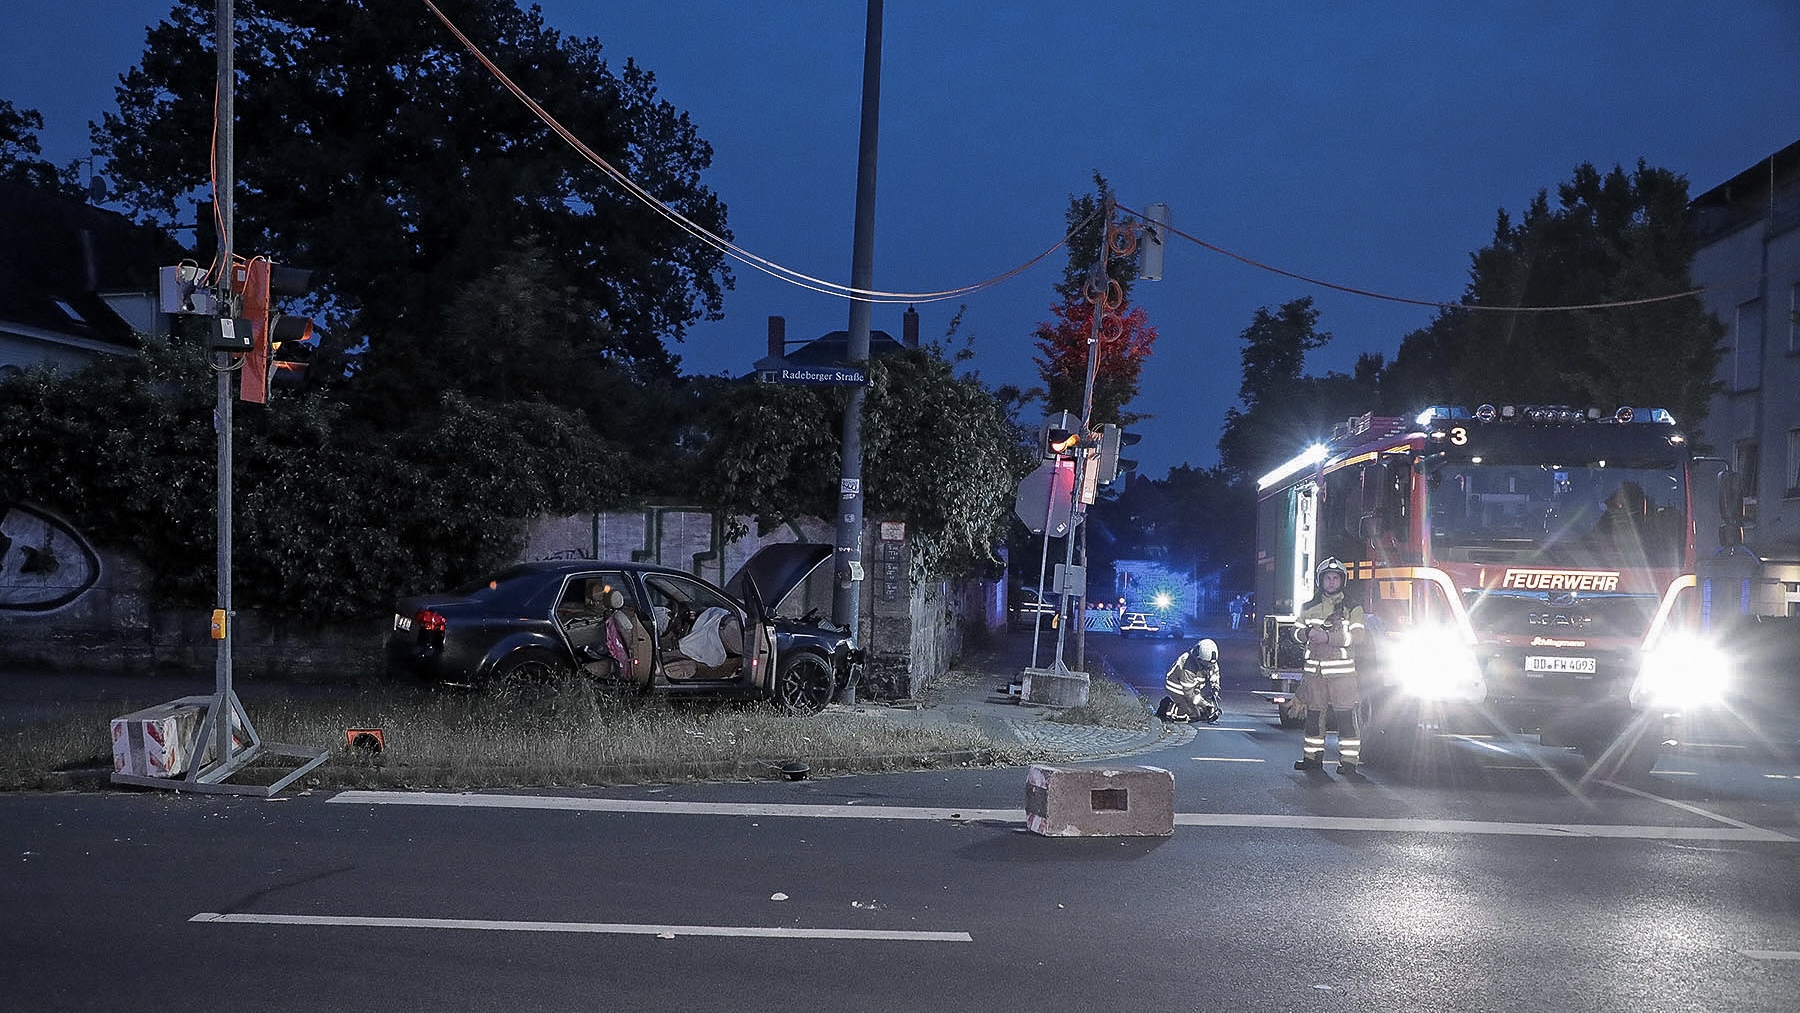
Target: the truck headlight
pixel 1683 670
pixel 1436 665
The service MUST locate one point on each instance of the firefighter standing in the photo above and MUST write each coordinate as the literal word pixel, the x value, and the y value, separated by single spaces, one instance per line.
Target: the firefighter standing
pixel 1330 626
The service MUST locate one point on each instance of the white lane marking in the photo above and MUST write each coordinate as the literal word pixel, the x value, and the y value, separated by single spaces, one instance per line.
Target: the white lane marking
pixel 1771 954
pixel 1229 759
pixel 1430 826
pixel 1683 806
pixel 1481 740
pixel 1218 728
pixel 618 805
pixel 1736 832
pixel 603 928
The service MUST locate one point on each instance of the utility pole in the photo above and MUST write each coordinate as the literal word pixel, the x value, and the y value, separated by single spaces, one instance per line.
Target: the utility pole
pixel 848 567
pixel 226 741
pixel 1059 685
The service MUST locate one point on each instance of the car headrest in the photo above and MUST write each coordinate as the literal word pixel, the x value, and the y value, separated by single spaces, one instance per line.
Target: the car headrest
pixel 615 599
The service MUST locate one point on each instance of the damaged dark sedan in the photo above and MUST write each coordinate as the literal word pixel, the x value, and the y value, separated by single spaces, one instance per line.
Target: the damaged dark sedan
pixel 649 627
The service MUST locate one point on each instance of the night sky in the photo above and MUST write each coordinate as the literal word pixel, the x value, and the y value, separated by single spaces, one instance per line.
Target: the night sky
pixel 1369 145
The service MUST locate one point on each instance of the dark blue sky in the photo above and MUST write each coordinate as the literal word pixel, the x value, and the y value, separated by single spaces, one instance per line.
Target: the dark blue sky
pixel 1367 144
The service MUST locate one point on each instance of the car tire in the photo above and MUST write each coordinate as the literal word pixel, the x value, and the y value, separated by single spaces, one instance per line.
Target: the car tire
pixel 806 684
pixel 529 667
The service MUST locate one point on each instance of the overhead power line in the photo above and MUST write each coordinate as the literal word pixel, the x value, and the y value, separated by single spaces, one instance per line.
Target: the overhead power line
pixel 1434 303
pixel 710 238
pixel 831 288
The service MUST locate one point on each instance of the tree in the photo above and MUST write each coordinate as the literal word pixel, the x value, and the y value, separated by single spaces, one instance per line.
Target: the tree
pixel 21 154
pixel 940 453
pixel 1062 343
pixel 1281 411
pixel 373 148
pixel 1063 352
pixel 1616 237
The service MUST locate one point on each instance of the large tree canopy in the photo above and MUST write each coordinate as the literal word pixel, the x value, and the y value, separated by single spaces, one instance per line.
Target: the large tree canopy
pixel 373 148
pixel 1613 237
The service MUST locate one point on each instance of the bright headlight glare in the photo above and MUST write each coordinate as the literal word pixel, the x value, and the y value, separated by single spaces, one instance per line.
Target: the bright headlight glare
pixel 1435 665
pixel 1683 670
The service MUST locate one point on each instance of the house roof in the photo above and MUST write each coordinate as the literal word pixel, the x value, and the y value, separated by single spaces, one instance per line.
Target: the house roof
pixel 56 258
pixel 830 350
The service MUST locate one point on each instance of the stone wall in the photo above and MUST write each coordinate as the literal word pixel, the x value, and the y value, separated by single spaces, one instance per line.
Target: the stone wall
pixel 99 618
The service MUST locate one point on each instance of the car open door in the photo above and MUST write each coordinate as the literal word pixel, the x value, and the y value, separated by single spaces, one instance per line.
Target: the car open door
pixel 759 634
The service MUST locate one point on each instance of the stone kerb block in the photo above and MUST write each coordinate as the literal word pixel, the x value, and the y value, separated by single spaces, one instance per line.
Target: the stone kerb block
pixel 1099 801
pixel 1055 687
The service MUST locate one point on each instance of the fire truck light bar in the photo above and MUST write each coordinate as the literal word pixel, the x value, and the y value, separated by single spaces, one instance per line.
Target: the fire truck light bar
pixel 1310 456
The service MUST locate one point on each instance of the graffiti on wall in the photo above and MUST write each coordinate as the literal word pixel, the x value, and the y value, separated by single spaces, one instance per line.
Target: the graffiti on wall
pixel 44 563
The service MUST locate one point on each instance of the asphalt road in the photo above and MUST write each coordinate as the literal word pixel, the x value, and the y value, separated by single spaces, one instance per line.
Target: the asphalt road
pixel 1496 881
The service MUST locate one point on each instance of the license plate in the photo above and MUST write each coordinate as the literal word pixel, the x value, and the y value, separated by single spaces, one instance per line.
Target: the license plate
pixel 402 624
pixel 1540 663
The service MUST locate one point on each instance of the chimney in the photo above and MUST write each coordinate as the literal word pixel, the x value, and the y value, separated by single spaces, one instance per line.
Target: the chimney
pixel 778 337
pixel 909 328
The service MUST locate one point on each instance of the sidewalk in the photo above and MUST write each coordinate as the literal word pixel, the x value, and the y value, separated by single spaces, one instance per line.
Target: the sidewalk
pixel 982 702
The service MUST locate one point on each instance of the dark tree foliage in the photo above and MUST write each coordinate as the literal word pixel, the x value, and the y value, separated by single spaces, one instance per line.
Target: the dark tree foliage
pixel 1062 344
pixel 1613 237
pixel 373 148
pixel 328 524
pixel 939 452
pixel 21 155
pixel 1282 408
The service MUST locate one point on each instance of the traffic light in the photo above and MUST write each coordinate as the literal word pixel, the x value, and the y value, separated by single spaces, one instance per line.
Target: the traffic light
pixel 1060 434
pixel 260 282
pixel 1110 464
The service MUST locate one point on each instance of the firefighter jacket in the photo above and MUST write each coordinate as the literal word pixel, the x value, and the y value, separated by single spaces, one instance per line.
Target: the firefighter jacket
pixel 1189 675
pixel 1342 621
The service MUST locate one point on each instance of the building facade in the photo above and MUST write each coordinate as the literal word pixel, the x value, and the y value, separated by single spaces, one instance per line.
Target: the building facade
pixel 1749 263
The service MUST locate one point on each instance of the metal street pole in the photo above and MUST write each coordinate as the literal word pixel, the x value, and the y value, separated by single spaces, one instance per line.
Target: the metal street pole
pixel 222 703
pixel 848 568
pixel 1099 288
pixel 225 717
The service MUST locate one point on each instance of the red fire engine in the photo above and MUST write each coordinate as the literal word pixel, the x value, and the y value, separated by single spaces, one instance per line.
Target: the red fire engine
pixel 1526 570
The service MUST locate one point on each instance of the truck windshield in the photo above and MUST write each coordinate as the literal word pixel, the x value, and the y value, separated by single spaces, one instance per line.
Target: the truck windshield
pixel 1578 516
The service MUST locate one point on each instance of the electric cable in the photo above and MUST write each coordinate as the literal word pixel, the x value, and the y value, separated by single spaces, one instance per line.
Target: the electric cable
pixel 1434 303
pixel 705 235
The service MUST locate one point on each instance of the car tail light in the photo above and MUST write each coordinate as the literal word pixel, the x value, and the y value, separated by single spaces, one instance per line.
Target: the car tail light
pixel 429 621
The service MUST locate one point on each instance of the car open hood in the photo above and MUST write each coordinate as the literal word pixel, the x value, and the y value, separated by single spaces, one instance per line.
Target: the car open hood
pixel 777 569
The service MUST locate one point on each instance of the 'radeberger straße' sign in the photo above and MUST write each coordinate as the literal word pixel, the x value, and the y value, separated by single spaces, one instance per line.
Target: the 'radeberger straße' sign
pixel 837 375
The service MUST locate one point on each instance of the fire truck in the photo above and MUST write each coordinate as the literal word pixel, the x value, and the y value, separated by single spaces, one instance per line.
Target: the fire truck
pixel 1525 570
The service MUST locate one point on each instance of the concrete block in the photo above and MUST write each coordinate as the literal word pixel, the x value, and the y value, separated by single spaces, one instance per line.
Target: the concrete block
pixel 1055 687
pixel 1099 801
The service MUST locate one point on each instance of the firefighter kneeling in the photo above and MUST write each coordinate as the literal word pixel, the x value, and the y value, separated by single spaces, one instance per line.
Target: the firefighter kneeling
pixel 1193 686
pixel 1330 626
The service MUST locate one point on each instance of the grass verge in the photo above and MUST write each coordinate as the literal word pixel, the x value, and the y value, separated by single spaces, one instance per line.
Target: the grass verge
pixel 569 734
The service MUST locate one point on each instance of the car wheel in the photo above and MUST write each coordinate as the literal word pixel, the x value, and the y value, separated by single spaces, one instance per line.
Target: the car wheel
pixel 529 668
pixel 806 684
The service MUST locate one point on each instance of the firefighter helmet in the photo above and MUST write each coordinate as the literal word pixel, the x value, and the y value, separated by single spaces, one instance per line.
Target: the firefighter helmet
pixel 1205 651
pixel 1330 565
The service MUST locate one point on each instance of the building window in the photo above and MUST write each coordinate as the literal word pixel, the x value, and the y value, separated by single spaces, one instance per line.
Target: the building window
pixel 1793 465
pixel 1747 346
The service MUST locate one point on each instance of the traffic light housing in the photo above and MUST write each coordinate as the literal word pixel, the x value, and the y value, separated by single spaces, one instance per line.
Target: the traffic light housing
pixel 1110 464
pixel 259 282
pixel 1060 434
